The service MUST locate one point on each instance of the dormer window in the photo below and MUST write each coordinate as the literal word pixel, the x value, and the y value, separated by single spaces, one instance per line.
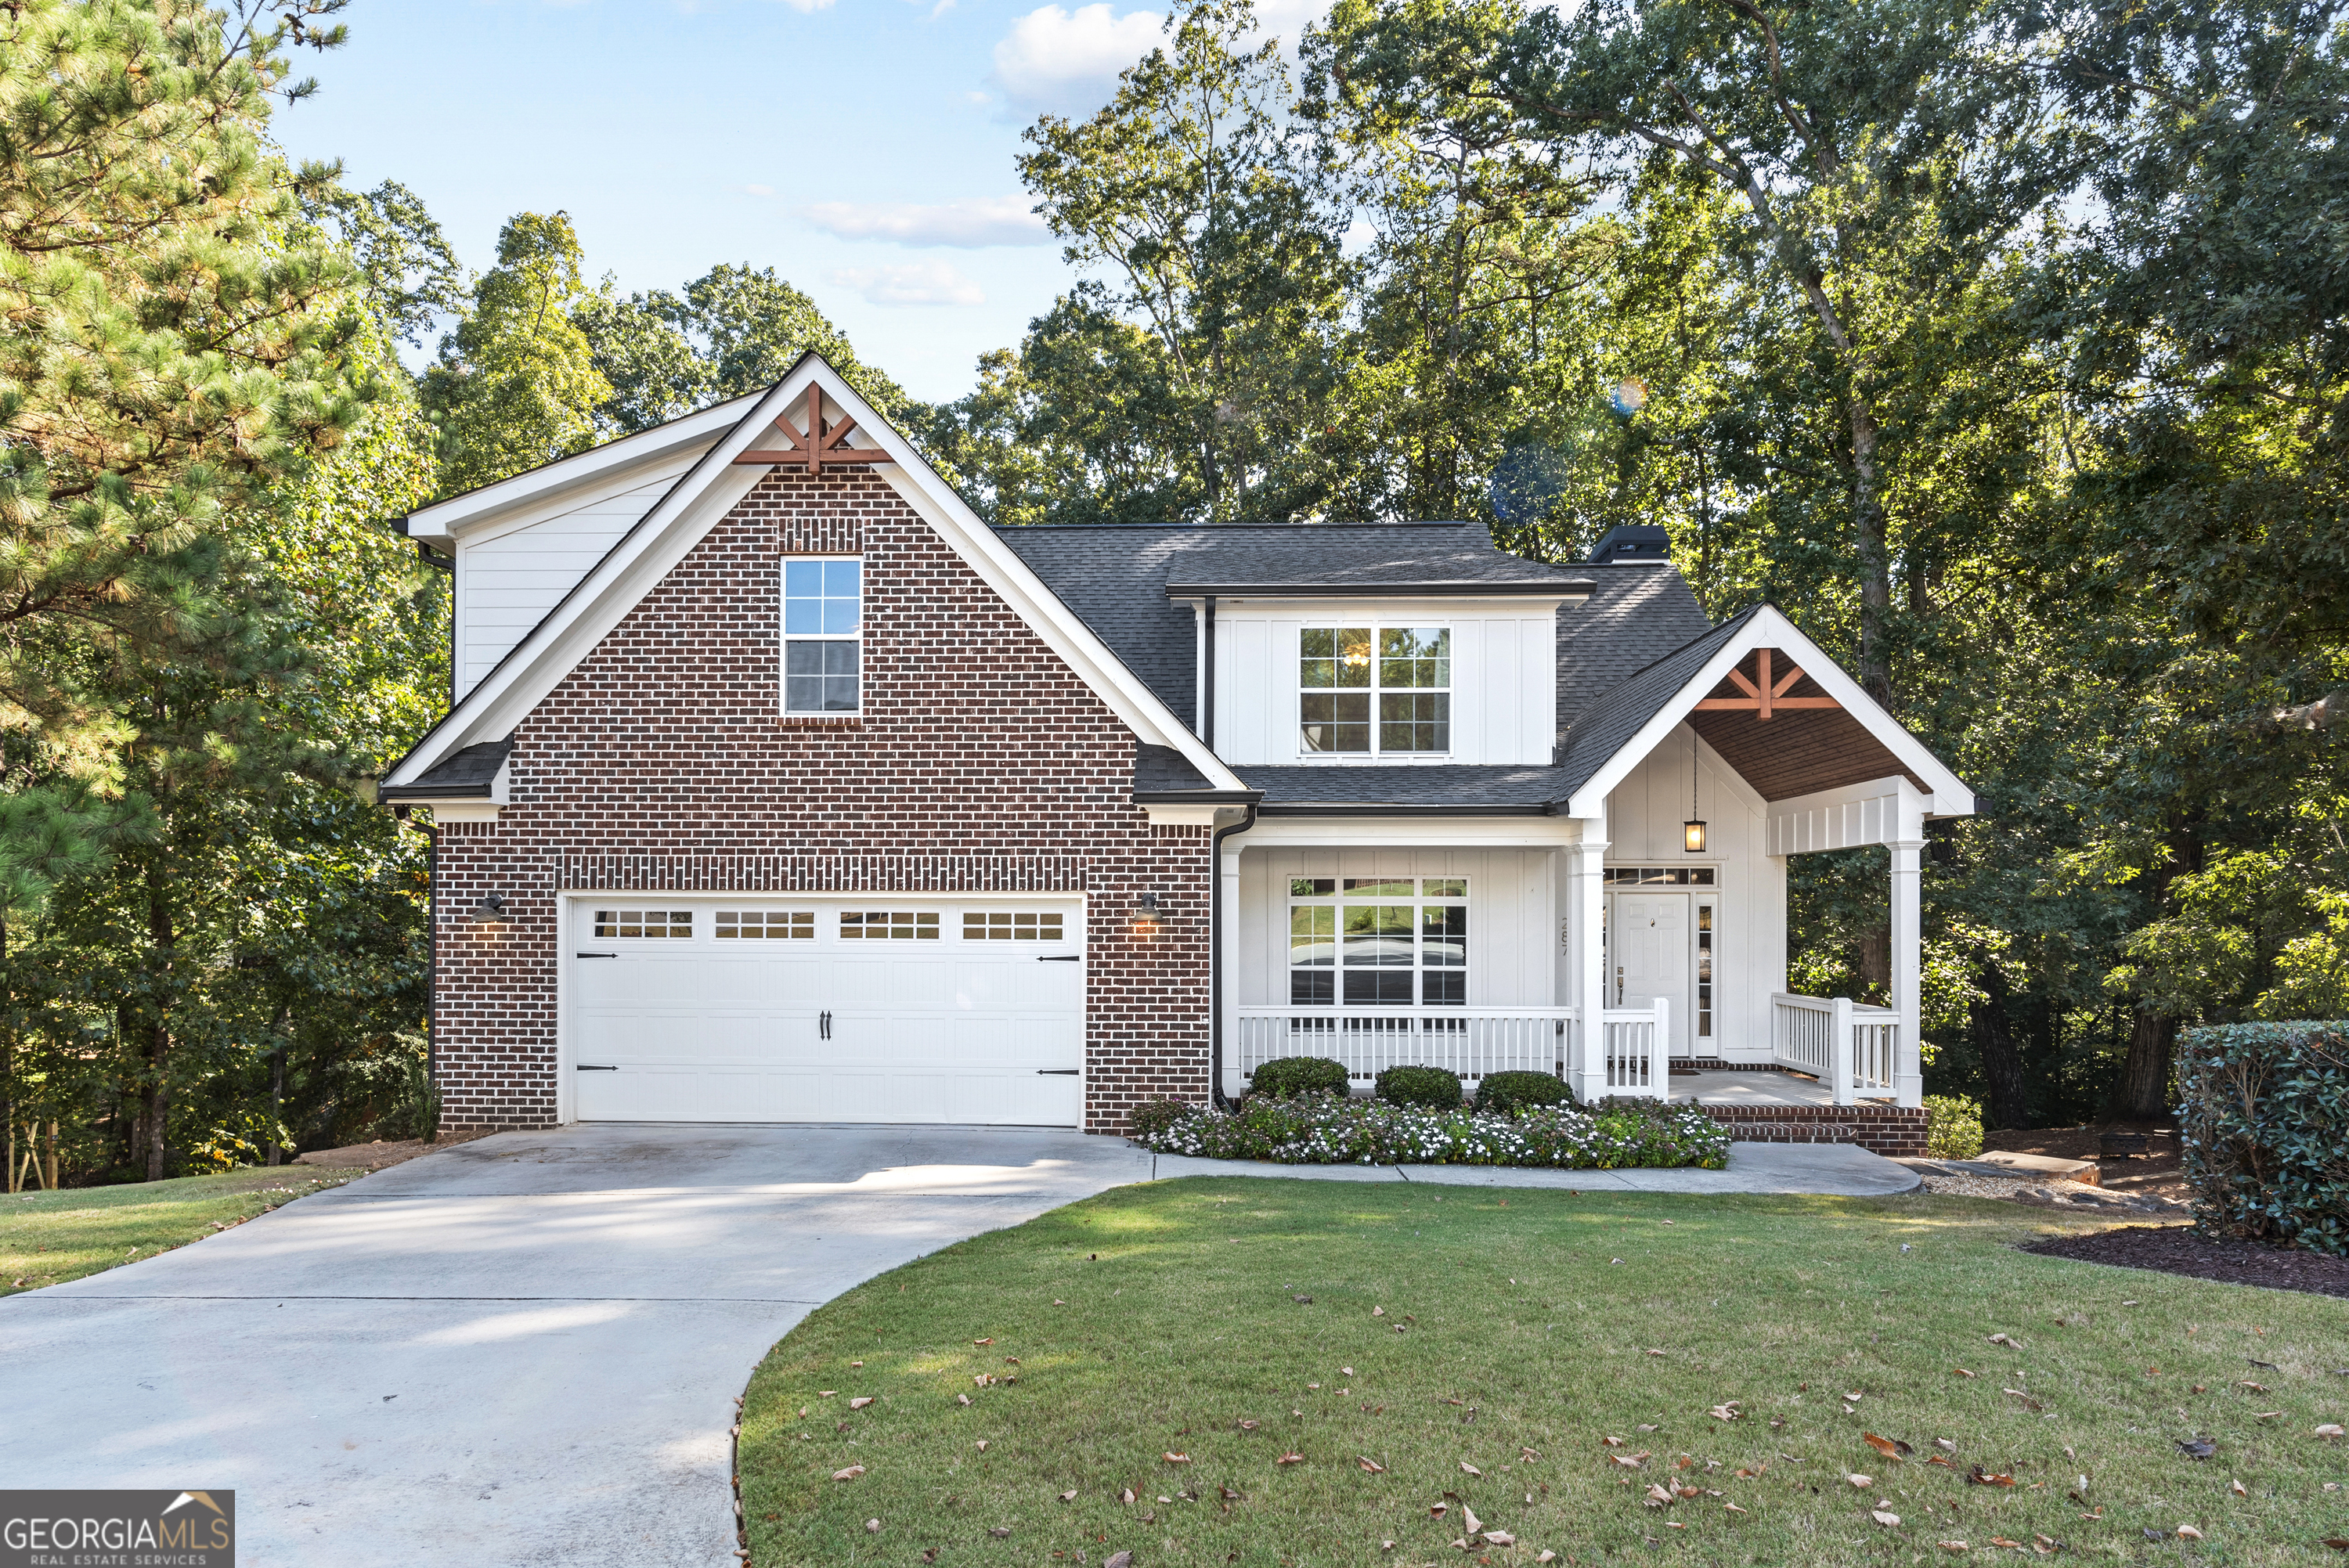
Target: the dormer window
pixel 1371 690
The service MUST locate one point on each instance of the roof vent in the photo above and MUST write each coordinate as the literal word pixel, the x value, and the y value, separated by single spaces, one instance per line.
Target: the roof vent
pixel 1633 543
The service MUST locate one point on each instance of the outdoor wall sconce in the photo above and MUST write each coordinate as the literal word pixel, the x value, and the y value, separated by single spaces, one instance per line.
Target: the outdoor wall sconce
pixel 1692 830
pixel 1145 915
pixel 491 910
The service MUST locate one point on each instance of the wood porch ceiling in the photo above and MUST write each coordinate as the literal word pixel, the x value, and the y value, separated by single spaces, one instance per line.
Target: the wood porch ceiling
pixel 1802 742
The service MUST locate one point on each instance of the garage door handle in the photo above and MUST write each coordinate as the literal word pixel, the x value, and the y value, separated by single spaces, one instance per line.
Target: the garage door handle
pixel 1060 958
pixel 1059 1072
pixel 594 955
pixel 586 1068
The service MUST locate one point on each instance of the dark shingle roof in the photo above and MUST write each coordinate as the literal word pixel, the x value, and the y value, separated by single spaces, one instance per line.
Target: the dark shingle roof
pixel 468 773
pixel 1116 577
pixel 1639 614
pixel 1605 725
pixel 1459 787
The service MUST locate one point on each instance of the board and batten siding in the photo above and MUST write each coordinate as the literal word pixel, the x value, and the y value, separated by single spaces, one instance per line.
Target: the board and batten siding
pixel 1645 817
pixel 508 576
pixel 1512 924
pixel 1504 677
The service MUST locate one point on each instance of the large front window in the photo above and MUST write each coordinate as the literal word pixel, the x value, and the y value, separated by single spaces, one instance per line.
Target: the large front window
pixel 1377 941
pixel 823 625
pixel 1374 689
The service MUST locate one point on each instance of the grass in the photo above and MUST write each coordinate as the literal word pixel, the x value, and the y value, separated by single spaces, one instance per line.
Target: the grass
pixel 47 1238
pixel 1155 1320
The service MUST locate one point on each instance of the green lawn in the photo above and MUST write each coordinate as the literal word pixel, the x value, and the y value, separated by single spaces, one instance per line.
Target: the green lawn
pixel 47 1238
pixel 1157 1320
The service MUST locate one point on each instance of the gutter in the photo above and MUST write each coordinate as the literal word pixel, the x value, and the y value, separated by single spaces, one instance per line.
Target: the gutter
pixel 1216 953
pixel 1371 809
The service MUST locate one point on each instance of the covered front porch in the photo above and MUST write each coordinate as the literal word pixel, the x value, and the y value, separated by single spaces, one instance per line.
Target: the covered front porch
pixel 1627 936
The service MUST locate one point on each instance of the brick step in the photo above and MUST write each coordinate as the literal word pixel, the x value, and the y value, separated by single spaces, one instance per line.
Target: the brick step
pixel 1881 1129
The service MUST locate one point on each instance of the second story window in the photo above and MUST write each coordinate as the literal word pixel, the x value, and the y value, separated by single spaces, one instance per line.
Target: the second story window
pixel 823 625
pixel 1373 690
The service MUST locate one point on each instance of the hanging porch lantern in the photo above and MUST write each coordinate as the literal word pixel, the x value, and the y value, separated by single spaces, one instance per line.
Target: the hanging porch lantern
pixel 1692 830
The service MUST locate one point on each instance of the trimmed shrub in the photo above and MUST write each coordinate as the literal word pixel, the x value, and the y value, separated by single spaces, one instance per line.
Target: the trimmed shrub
pixel 1152 1117
pixel 1298 1075
pixel 1324 1129
pixel 1431 1087
pixel 1954 1127
pixel 1509 1093
pixel 2264 1127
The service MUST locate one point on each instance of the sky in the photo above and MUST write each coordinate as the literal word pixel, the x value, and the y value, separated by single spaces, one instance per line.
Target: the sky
pixel 864 149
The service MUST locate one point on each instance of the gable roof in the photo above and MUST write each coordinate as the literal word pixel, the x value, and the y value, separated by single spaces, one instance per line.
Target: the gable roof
pixel 708 489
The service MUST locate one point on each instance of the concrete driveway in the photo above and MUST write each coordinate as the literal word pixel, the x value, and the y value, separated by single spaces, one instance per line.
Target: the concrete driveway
pixel 526 1350
pixel 523 1350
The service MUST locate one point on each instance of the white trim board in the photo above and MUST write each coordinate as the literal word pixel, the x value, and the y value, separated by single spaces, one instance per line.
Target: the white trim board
pixel 1766 628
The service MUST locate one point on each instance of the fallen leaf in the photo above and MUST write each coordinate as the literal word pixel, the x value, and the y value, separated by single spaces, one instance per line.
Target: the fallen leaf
pixel 1119 1560
pixel 1610 1442
pixel 1655 1352
pixel 988 1341
pixel 1001 1533
pixel 1890 1447
pixel 1883 1518
pixel 1727 1412
pixel 982 1444
pixel 1291 1459
pixel 1068 1497
pixel 2330 1429
pixel 1861 1482
pixel 2338 1542
pixel 825 1393
pixel 1249 1425
pixel 2254 1388
pixel 1467 1468
pixel 1499 1538
pixel 2188 1532
pixel 2199 1448
pixel 1176 1458
pixel 1377 1312
pixel 2002 1339
pixel 1468 1520
pixel 2237 1487
pixel 1938 1460
pixel 1628 1462
pixel 1371 1464
pixel 860 1402
pixel 2028 1402
pixel 2002 1541
pixel 1733 1508
pixel 872 1527
pixel 850 1473
pixel 1980 1477
pixel 1345 1371
pixel 1955 1546
pixel 962 1398
pixel 1657 1496
pixel 1960 1372
pixel 1945 1445
pixel 2265 1414
pixel 1546 1557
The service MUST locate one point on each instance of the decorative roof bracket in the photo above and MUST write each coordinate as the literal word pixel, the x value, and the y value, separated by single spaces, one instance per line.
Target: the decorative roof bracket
pixel 823 444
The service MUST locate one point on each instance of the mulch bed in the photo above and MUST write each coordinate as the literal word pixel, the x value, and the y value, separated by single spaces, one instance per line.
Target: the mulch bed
pixel 2179 1250
pixel 2157 1171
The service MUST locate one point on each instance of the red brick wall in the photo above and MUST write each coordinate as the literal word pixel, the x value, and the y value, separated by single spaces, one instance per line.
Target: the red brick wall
pixel 980 763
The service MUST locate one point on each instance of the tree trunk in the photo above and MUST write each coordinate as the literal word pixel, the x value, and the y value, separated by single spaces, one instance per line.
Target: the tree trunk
pixel 1994 1040
pixel 2143 1092
pixel 155 1104
pixel 1872 960
pixel 1871 538
pixel 161 931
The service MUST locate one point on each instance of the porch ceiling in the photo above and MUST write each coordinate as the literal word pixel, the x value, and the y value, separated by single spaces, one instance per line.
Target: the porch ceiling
pixel 1794 751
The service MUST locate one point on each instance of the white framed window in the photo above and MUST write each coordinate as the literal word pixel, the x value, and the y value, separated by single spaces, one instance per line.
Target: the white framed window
pixel 878 926
pixel 1374 690
pixel 1374 941
pixel 781 923
pixel 823 633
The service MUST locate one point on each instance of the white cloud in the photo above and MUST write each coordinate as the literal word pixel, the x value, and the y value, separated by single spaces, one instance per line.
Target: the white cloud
pixel 1286 19
pixel 915 283
pixel 1067 62
pixel 809 6
pixel 965 224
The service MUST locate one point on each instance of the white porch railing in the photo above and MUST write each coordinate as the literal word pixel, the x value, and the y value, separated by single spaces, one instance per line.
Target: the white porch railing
pixel 1855 1050
pixel 1634 1042
pixel 1467 1041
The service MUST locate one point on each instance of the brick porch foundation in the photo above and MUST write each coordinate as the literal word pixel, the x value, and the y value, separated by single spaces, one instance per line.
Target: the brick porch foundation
pixel 1879 1129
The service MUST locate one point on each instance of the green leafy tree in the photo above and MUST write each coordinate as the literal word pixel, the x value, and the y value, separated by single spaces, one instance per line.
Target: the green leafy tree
pixel 516 385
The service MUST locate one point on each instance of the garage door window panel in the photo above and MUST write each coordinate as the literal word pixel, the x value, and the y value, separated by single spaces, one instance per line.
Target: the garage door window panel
pixel 627 924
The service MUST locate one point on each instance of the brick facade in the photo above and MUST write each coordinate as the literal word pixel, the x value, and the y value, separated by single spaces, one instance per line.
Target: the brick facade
pixel 663 763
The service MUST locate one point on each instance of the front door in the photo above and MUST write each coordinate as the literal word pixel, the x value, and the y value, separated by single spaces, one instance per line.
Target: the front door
pixel 1648 956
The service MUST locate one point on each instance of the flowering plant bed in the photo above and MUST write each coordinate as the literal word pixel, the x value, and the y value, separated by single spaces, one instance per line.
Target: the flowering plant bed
pixel 1332 1129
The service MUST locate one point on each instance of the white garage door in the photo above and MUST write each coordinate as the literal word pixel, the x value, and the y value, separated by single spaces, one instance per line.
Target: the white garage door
pixel 886 1009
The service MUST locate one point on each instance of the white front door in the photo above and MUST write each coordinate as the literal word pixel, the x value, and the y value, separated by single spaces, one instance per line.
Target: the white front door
pixel 886 1009
pixel 1648 956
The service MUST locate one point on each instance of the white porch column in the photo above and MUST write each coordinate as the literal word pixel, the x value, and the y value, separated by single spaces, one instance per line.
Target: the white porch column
pixel 1908 967
pixel 1227 892
pixel 1588 1077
